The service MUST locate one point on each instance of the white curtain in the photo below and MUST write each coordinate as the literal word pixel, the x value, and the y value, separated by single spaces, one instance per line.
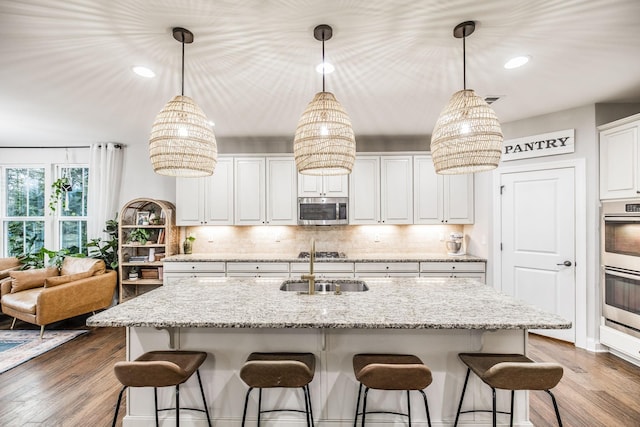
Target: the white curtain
pixel 105 174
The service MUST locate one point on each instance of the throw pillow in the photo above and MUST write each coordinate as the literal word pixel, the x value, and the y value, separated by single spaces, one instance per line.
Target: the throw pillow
pixel 50 282
pixel 28 279
pixel 72 265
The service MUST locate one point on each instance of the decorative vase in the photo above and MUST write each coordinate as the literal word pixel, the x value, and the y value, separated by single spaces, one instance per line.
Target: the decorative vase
pixel 187 246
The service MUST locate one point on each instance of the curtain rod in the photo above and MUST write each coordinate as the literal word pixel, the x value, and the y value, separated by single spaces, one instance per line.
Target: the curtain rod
pixel 62 146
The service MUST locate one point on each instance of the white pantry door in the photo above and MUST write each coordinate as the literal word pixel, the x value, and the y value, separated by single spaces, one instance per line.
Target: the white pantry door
pixel 538 242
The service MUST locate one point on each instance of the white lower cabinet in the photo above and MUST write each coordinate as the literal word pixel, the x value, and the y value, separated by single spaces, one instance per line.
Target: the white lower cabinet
pixel 323 269
pixel 257 269
pixel 389 269
pixel 472 270
pixel 175 271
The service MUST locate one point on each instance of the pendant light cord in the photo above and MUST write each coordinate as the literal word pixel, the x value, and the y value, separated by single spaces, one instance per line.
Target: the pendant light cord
pixel 464 61
pixel 323 64
pixel 182 93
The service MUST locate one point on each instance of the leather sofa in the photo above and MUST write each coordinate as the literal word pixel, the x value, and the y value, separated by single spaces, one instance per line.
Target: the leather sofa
pixel 47 295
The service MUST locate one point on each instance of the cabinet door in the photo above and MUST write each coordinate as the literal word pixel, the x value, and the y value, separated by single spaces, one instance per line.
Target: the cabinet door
pixel 619 162
pixel 218 194
pixel 364 190
pixel 281 191
pixel 249 184
pixel 323 186
pixel 428 198
pixel 396 195
pixel 190 200
pixel 335 186
pixel 458 199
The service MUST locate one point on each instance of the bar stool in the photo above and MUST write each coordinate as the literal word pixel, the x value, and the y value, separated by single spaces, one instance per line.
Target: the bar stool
pixel 279 370
pixel 390 372
pixel 510 372
pixel 161 369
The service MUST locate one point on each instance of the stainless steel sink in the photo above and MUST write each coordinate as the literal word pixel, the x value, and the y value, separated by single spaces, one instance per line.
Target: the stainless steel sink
pixel 325 285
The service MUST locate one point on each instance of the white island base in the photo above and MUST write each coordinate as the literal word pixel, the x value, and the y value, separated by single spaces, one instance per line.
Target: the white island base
pixel 334 388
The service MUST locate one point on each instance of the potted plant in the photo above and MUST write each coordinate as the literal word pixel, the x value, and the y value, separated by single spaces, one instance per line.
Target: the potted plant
pixel 139 235
pixel 60 186
pixel 187 245
pixel 106 250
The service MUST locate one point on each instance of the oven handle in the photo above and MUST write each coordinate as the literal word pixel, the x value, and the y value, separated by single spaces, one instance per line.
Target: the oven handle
pixel 632 217
pixel 628 274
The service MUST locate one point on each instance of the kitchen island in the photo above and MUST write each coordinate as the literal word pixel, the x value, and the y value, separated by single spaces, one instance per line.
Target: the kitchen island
pixel 231 317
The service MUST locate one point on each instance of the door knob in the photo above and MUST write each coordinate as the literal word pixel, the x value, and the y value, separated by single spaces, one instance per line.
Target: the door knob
pixel 566 264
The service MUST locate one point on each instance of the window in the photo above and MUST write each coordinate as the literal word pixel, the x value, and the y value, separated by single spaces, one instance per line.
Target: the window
pixel 28 222
pixel 24 221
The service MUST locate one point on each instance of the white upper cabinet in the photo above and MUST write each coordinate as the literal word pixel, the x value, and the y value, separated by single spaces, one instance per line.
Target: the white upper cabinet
pixel 265 191
pixel 207 200
pixel 441 199
pixel 323 186
pixel 619 163
pixel 381 190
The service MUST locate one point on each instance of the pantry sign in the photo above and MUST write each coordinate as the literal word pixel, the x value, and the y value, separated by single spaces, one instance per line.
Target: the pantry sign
pixel 546 144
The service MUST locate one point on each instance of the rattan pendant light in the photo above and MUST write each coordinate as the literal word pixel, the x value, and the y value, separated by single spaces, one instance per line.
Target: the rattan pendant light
pixel 467 137
pixel 324 143
pixel 182 142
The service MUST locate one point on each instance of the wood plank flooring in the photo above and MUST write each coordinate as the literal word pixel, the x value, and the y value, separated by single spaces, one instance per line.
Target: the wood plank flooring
pixel 73 385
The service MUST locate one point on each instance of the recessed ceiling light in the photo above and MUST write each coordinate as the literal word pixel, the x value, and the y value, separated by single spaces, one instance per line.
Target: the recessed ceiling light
pixel 143 71
pixel 325 67
pixel 516 62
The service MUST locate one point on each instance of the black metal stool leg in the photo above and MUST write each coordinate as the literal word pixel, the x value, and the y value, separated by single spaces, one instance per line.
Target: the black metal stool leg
pixel 115 415
pixel 426 407
pixel 555 406
pixel 306 406
pixel 364 404
pixel 355 418
pixel 513 392
pixel 259 405
pixel 310 405
pixel 177 405
pixel 409 406
pixel 155 402
pixel 464 390
pixel 246 402
pixel 495 418
pixel 204 399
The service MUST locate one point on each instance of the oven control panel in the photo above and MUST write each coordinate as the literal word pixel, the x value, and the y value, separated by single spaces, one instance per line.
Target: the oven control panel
pixel 632 207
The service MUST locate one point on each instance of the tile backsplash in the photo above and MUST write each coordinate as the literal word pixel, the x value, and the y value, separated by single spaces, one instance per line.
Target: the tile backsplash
pixel 350 239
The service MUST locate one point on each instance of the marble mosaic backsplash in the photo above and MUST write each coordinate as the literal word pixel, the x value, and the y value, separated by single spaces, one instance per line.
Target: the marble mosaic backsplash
pixel 350 239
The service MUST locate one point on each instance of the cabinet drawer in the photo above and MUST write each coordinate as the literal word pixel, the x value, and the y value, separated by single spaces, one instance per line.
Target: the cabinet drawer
pixel 281 274
pixel 452 266
pixel 620 341
pixel 456 274
pixel 252 267
pixel 322 267
pixel 194 267
pixel 366 267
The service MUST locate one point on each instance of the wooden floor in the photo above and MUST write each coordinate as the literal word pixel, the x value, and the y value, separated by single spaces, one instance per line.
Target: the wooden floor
pixel 73 385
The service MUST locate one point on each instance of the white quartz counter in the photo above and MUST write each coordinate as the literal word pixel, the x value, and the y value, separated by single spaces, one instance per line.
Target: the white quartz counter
pixel 390 303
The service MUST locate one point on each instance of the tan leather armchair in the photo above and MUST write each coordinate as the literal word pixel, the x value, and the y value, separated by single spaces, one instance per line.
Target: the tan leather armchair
pixel 43 296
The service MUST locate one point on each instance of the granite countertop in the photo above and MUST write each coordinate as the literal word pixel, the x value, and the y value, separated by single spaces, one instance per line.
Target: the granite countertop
pixel 391 303
pixel 254 257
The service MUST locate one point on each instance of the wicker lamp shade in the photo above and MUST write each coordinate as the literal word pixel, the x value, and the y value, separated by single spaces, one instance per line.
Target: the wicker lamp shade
pixel 324 143
pixel 182 142
pixel 467 137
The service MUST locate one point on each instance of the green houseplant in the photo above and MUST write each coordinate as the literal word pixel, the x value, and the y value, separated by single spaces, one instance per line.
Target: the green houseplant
pixel 139 235
pixel 60 187
pixel 106 250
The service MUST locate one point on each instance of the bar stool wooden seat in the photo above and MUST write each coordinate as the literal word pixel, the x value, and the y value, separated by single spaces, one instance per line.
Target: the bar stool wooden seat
pixel 279 370
pixel 161 369
pixel 510 372
pixel 390 372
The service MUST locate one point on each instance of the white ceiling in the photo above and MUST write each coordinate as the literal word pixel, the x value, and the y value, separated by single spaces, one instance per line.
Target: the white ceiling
pixel 65 74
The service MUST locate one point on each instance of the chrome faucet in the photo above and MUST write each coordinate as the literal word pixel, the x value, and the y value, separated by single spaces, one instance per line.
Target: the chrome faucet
pixel 311 277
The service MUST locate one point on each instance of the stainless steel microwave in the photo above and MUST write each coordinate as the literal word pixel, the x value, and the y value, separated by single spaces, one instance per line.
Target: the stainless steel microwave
pixel 323 210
